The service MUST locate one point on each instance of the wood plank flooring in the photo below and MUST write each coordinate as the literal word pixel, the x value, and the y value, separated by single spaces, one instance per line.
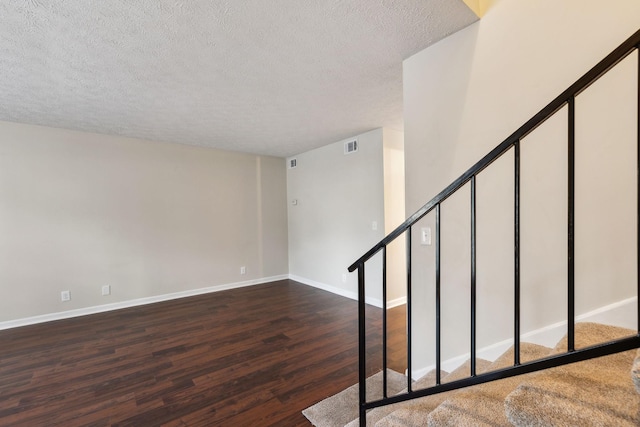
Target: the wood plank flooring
pixel 255 356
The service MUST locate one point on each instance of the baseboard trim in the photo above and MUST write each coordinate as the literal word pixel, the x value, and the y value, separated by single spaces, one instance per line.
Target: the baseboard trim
pixel 133 303
pixel 396 302
pixel 621 313
pixel 347 294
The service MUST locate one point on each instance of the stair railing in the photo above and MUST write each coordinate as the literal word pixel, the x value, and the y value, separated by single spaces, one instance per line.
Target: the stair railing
pixel 566 98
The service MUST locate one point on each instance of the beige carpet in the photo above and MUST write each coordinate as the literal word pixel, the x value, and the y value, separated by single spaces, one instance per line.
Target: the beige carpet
pixel 415 412
pixel 376 414
pixel 483 405
pixel 597 392
pixel 342 408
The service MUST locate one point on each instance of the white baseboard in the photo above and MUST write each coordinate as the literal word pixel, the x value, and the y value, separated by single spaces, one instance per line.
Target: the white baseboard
pixel 396 302
pixel 133 303
pixel 167 297
pixel 621 313
pixel 324 287
pixel 348 294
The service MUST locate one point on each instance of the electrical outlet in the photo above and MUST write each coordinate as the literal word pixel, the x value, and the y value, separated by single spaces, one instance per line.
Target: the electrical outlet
pixel 106 290
pixel 65 296
pixel 243 270
pixel 344 277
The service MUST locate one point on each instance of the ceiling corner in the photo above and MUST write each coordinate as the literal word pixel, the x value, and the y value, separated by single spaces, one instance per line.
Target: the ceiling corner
pixel 476 6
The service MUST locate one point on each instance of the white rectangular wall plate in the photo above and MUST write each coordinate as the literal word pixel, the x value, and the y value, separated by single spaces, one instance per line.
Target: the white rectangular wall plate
pixel 425 236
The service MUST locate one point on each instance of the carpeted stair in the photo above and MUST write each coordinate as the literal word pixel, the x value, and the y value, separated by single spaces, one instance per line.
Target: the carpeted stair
pixel 341 408
pixel 376 414
pixel 597 392
pixel 483 405
pixel 415 412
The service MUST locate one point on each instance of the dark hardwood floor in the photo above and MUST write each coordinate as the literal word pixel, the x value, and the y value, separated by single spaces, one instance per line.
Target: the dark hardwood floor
pixel 255 356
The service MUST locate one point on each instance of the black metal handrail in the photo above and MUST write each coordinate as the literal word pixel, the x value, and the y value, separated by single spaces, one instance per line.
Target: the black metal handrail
pixel 566 98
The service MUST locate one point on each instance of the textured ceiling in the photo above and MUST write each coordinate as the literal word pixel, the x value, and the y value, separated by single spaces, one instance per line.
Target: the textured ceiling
pixel 275 77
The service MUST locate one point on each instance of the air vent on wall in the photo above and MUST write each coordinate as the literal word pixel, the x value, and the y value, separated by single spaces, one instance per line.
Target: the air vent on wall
pixel 351 146
pixel 293 163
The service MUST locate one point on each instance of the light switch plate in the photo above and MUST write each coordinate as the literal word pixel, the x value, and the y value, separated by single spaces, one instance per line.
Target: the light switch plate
pixel 425 236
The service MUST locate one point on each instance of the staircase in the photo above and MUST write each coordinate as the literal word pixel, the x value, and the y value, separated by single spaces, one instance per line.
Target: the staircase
pixel 583 380
pixel 597 392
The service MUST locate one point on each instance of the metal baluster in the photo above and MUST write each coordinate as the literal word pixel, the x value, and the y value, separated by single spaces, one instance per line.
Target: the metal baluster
pixel 638 195
pixel 409 309
pixel 473 276
pixel 362 350
pixel 384 322
pixel 571 225
pixel 516 261
pixel 438 296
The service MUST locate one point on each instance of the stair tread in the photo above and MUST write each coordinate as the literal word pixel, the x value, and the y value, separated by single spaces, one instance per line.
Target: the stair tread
pixel 374 415
pixel 343 407
pixel 414 412
pixel 596 392
pixel 483 404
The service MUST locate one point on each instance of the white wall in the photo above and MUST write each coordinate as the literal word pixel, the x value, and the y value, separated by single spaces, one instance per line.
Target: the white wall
pixel 394 212
pixel 338 198
pixel 465 95
pixel 81 210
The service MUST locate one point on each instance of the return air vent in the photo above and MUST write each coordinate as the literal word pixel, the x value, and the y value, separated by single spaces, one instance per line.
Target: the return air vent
pixel 293 163
pixel 351 146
